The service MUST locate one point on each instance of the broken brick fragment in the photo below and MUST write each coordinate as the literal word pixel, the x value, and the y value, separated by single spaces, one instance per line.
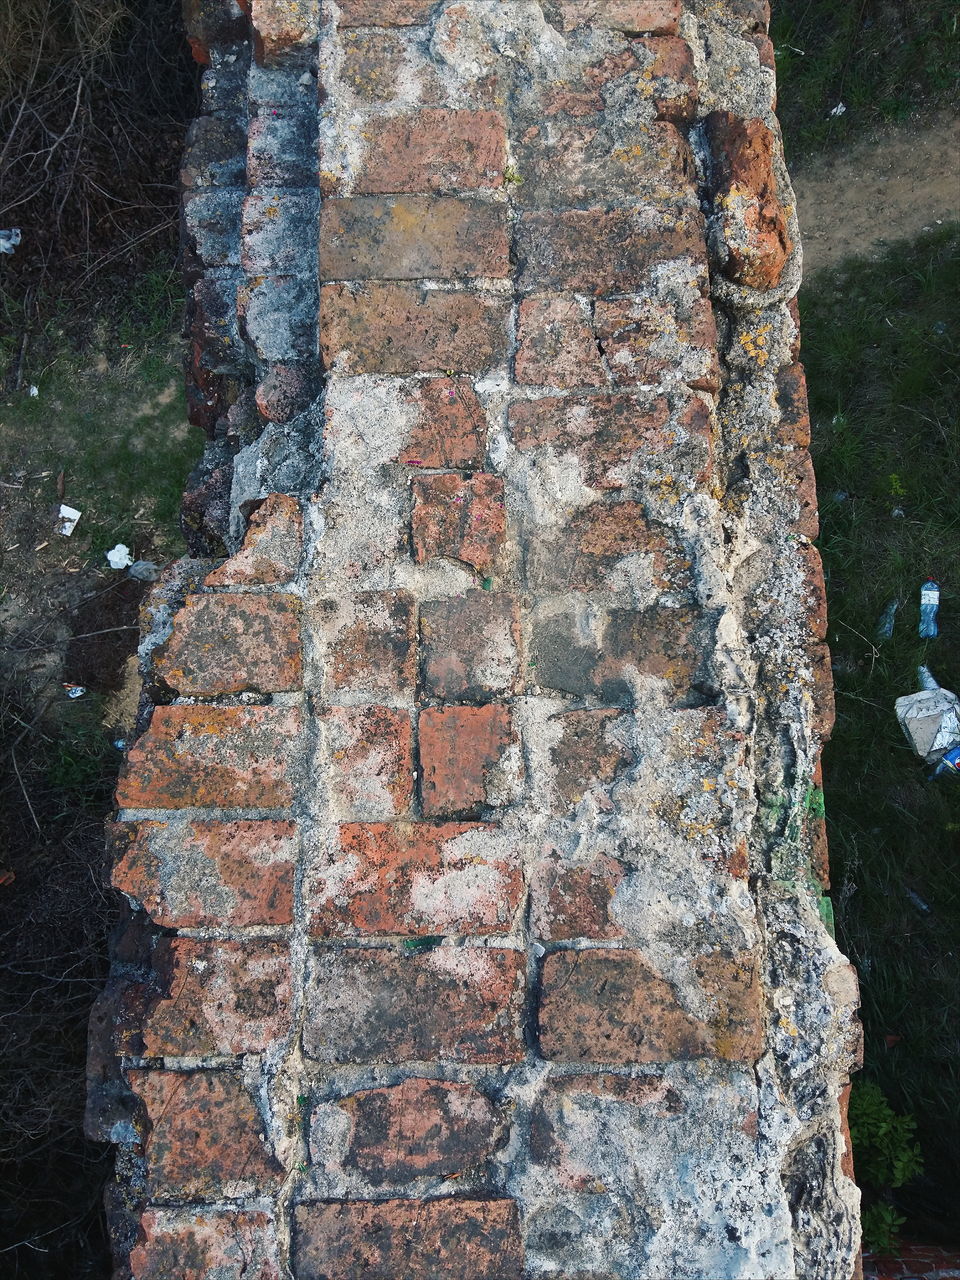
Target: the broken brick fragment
pixel 450 428
pixel 460 519
pixel 460 749
pixel 192 1246
pixel 371 751
pixel 271 549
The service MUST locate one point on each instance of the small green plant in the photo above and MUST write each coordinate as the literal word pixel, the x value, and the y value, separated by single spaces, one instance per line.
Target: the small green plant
pixel 885 1157
pixel 881 1225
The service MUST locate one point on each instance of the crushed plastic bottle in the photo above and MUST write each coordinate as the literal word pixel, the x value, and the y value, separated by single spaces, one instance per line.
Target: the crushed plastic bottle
pixel 886 620
pixel 929 605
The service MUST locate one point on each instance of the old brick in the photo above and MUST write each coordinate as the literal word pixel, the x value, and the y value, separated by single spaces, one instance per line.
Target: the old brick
pixel 213 155
pixel 600 536
pixel 279 315
pixel 586 753
pixel 450 428
pixel 372 647
pixel 671 78
pixel 416 879
pixel 371 63
pixel 802 484
pixel 412 238
pixel 659 17
pixel 448 1239
pixel 283 29
pixel 646 341
pixel 225 643
pixel 385 13
pixel 210 22
pixel 821 691
pixel 271 548
pixel 276 224
pixel 574 901
pixel 231 757
pixel 433 150
pixel 556 344
pixel 371 753
pixel 601 250
pixel 218 997
pixel 460 750
pixel 205 1139
pixel 611 1006
pixel 794 428
pixel 402 328
pixel 460 519
pixel 281 148
pixel 753 221
pixel 284 391
pixel 814 591
pixel 420 1128
pixel 212 873
pixel 457 1004
pixel 195 1246
pixel 470 647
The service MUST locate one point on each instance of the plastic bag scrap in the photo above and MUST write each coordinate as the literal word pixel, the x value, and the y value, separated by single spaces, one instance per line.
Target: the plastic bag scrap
pixel 119 557
pixel 68 517
pixel 9 239
pixel 930 719
pixel 144 570
pixel 74 690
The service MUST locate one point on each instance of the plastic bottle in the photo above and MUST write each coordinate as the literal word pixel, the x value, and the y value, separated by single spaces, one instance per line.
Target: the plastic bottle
pixel 929 604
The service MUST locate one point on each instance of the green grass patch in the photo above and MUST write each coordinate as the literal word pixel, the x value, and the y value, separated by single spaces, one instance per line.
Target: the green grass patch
pixel 883 60
pixel 881 343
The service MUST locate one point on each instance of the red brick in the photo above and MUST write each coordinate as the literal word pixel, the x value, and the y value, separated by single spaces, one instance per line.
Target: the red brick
pixel 416 879
pixel 574 901
pixel 271 548
pixel 460 747
pixel 385 13
pixel 450 428
pixel 226 643
pixel 821 691
pixel 671 77
pixel 433 150
pixel 646 341
pixel 753 221
pixel 402 328
pixel 586 755
pixel 284 391
pixel 794 429
pixel 210 22
pixel 213 873
pixel 200 1246
pixel 766 53
pixel 802 484
pixel 459 519
pixel 448 1239
pixel 283 28
pixel 611 1006
pixel 373 647
pixel 470 647
pixel 814 591
pixel 205 1139
pixel 218 998
pixel 224 757
pixel 602 250
pixel 659 17
pixel 417 1129
pixel 371 753
pixel 457 1004
pixel 412 238
pixel 556 344
pixel 371 63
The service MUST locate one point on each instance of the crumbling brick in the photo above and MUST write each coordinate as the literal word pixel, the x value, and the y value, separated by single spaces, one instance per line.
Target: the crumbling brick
pixel 462 519
pixel 460 747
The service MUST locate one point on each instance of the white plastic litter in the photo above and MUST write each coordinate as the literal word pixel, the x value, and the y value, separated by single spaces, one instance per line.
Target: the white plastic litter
pixel 33 391
pixel 119 557
pixel 839 109
pixel 930 719
pixel 9 239
pixel 68 520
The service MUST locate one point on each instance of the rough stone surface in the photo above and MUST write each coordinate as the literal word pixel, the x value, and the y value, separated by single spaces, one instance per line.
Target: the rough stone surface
pixel 471 852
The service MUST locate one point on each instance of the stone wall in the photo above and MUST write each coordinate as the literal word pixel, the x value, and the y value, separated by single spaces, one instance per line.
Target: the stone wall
pixel 473 843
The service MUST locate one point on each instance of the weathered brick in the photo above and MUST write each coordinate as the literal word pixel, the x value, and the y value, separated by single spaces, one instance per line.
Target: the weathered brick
pixel 646 342
pixel 448 1239
pixel 195 1246
pixel 460 750
pixel 373 640
pixel 226 643
pixel 276 224
pixel 814 591
pixel 586 753
pixel 230 757
pixel 217 998
pixel 671 78
pixel 281 148
pixel 372 63
pixel 574 901
pixel 213 155
pixel 371 754
pixel 457 1004
pixel 205 1139
pixel 596 539
pixel 284 391
pixel 659 17
pixel 402 328
pixel 213 873
pixel 459 519
pixel 385 13
pixel 283 29
pixel 211 22
pixel 753 221
pixel 821 691
pixel 271 548
pixel 557 347
pixel 794 427
pixel 470 647
pixel 796 467
pixel 433 150
pixel 416 879
pixel 604 432
pixel 279 315
pixel 450 428
pixel 417 1129
pixel 412 238
pixel 601 250
pixel 611 1006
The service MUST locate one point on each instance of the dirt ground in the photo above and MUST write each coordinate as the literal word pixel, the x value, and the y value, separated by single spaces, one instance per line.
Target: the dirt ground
pixel 891 186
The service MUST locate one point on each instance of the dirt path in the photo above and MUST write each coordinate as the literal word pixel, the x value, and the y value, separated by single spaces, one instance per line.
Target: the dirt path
pixel 889 187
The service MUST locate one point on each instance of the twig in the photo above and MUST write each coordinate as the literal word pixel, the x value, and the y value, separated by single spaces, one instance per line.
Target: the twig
pixel 16 769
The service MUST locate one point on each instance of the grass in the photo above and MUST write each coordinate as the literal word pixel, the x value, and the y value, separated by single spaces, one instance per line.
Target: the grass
pixel 883 59
pixel 881 343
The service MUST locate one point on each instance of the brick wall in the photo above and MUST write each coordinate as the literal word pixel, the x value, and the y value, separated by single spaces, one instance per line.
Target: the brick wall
pixel 473 845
